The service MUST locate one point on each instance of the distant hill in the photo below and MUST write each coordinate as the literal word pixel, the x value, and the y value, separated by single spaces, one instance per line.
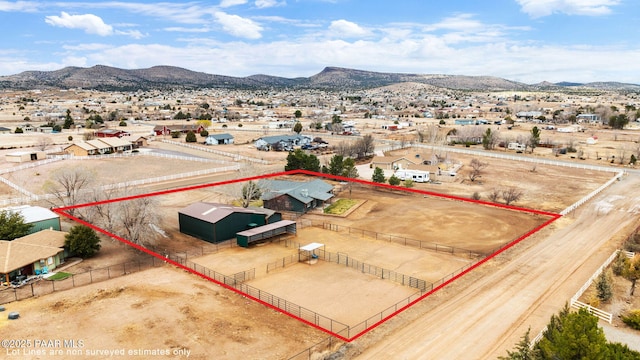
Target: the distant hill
pixel 102 77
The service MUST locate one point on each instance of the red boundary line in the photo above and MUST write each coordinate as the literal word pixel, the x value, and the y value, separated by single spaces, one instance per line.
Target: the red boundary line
pixel 63 211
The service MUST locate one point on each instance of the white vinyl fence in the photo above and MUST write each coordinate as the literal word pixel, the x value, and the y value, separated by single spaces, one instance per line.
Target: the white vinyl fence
pixel 574 303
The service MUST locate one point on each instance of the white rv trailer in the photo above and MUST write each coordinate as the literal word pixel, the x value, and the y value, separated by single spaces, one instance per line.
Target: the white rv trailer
pixel 415 175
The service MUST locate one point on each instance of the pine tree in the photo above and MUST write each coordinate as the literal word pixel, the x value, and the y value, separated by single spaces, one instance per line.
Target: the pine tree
pixel 378 175
pixel 603 285
pixel 523 350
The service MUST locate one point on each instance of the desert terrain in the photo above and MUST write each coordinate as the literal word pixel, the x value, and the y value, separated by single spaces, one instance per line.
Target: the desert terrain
pixel 483 312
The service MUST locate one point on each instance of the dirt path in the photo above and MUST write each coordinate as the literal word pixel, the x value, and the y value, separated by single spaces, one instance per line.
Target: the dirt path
pixel 483 318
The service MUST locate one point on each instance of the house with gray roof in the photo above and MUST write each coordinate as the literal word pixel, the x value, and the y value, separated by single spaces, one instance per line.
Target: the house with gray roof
pixel 282 142
pixel 295 196
pixel 219 139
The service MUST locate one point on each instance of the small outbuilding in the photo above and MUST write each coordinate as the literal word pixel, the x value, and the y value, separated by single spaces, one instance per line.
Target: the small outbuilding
pixel 25 156
pixel 260 233
pixel 215 222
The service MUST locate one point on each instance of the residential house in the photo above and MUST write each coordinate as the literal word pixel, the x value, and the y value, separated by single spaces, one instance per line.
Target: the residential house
pixel 589 118
pixel 34 254
pixel 282 142
pixel 295 196
pixel 99 147
pixel 142 141
pixel 168 129
pixel 219 139
pixel 103 133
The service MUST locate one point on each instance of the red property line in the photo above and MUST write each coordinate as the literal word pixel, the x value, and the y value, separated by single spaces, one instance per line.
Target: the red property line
pixel 553 217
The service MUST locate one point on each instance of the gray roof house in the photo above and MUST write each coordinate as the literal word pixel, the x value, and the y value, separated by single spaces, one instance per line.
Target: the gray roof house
pixel 218 139
pixel 295 196
pixel 282 142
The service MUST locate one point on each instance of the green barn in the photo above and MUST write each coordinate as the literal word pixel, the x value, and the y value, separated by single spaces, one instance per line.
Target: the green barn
pixel 215 223
pixel 39 217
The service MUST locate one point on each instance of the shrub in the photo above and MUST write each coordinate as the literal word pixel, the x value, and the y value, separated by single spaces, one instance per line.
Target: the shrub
pixel 394 180
pixel 632 319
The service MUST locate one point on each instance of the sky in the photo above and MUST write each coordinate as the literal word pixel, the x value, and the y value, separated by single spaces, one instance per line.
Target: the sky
pixel 522 40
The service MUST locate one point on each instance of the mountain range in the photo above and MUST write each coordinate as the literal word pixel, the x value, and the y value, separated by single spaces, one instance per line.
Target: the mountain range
pixel 102 77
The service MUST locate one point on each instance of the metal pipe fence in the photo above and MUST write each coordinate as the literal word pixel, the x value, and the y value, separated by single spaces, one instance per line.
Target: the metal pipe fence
pixel 401 240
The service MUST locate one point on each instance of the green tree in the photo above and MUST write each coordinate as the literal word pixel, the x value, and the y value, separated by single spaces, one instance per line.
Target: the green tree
pixel 175 134
pixel 574 335
pixel 349 169
pixel 486 139
pixel 408 183
pixel 204 133
pixel 68 120
pixel 191 137
pixel 18 130
pixel 523 350
pixel 82 241
pixel 12 225
pixel 378 175
pixel 298 159
pixel 336 165
pixel 122 123
pixel 603 286
pixel 618 121
pixel 297 128
pixel 298 114
pixel 534 140
pixel 394 180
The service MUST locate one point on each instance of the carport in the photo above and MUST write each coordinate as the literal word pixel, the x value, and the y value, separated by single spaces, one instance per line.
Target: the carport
pixel 244 238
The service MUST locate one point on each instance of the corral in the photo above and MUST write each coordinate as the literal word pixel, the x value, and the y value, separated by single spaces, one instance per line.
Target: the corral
pixel 387 262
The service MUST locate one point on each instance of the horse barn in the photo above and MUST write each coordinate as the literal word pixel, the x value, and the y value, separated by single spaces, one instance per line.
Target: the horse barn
pixel 213 222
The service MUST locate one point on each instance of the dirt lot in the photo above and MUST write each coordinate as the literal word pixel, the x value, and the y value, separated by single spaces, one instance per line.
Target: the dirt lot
pixel 235 336
pixel 164 308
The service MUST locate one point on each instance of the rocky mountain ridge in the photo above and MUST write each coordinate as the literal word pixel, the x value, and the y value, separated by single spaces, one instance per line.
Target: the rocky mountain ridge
pixel 102 77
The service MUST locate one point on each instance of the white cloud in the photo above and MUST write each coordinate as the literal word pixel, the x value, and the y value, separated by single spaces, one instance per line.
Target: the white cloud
pixel 460 22
pixel 540 8
pixel 347 29
pixel 91 24
pixel 186 30
pixel 229 3
pixel 136 34
pixel 261 4
pixel 20 6
pixel 239 26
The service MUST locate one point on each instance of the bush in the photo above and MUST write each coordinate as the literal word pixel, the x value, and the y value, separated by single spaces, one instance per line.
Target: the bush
pixel 632 319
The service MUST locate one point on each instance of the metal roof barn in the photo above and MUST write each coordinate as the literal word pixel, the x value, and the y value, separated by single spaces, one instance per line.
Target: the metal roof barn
pixel 215 222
